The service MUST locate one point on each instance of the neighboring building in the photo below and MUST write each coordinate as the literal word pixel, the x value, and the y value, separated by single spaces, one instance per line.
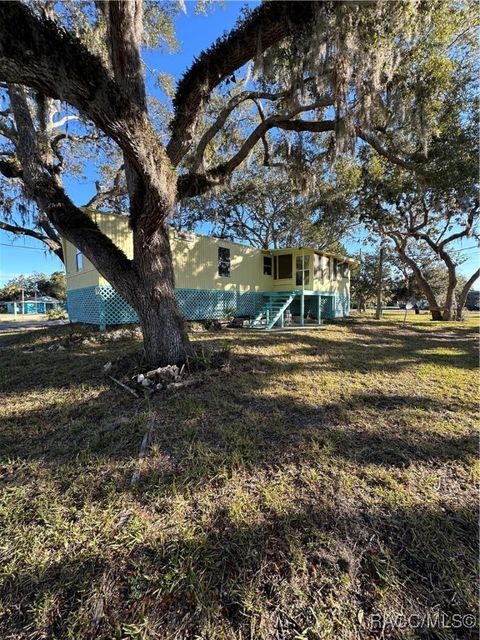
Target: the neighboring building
pixel 40 304
pixel 216 278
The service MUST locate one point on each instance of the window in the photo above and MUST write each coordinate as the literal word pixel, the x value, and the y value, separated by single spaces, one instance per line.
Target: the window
pixel 335 268
pixel 223 262
pixel 79 260
pixel 267 265
pixel 302 270
pixel 284 267
pixel 328 270
pixel 317 266
pixel 345 270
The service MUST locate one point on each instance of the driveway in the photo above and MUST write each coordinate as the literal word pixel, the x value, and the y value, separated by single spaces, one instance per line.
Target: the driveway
pixel 28 325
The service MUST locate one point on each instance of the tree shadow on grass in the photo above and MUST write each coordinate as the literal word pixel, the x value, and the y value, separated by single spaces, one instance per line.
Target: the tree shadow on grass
pixel 246 424
pixel 256 410
pixel 314 562
pixel 324 567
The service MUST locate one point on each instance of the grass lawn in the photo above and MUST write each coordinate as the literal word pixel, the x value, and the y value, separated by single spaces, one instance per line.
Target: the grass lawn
pixel 325 483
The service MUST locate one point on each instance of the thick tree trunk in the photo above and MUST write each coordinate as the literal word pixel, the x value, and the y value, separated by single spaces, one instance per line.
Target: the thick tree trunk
pixel 452 283
pixel 151 200
pixel 435 310
pixel 164 330
pixel 164 335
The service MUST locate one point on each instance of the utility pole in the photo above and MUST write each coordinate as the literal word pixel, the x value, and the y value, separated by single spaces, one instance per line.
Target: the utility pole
pixel 378 313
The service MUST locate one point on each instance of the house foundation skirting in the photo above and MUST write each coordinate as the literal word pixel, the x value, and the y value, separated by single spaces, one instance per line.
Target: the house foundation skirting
pixel 103 306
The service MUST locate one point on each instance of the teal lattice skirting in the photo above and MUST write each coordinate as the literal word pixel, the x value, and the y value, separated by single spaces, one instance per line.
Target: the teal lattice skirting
pixel 83 305
pixel 342 305
pixel 104 306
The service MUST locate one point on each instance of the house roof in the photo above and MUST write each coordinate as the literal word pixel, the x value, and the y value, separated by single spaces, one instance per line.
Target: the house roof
pixel 43 299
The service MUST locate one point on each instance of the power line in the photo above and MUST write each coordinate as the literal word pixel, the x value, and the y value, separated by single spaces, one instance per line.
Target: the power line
pixel 13 246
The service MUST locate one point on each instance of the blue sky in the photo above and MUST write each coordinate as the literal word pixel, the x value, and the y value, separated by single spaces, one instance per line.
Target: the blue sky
pixel 194 33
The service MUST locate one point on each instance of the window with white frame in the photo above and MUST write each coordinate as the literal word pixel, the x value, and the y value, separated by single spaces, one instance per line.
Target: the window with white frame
pixel 302 272
pixel 79 260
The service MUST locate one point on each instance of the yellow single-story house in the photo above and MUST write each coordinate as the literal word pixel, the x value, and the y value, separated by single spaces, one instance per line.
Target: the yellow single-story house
pixel 217 278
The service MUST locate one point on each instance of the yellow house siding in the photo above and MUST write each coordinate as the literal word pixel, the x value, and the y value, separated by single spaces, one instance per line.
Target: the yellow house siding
pixel 195 260
pixel 196 265
pixel 88 276
pixel 116 228
pixel 324 276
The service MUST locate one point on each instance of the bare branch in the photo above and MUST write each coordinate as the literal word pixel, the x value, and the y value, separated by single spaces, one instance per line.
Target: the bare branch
pixel 53 245
pixel 115 191
pixel 223 116
pixel 466 231
pixel 375 143
pixel 195 184
pixel 264 27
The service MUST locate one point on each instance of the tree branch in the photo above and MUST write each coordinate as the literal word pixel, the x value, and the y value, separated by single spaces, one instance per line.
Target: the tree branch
pixel 71 222
pixel 375 143
pixel 264 27
pixel 53 245
pixel 422 282
pixel 51 60
pixel 467 229
pixel 115 191
pixel 193 184
pixel 11 168
pixel 56 124
pixel 223 116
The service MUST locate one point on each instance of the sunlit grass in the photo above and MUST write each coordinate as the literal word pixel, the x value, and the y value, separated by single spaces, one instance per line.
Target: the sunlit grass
pixel 327 475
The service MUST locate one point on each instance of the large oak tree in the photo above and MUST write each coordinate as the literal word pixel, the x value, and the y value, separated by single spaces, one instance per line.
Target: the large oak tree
pixel 37 52
pixel 320 67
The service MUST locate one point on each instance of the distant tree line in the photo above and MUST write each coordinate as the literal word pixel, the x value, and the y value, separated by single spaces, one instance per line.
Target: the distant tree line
pixel 53 285
pixel 399 283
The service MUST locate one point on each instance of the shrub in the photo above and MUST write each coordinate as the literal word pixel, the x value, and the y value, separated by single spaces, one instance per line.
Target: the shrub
pixel 57 314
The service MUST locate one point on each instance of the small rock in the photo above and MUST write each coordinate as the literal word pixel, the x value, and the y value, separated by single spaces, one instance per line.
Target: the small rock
pixel 196 327
pixel 107 367
pixel 56 347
